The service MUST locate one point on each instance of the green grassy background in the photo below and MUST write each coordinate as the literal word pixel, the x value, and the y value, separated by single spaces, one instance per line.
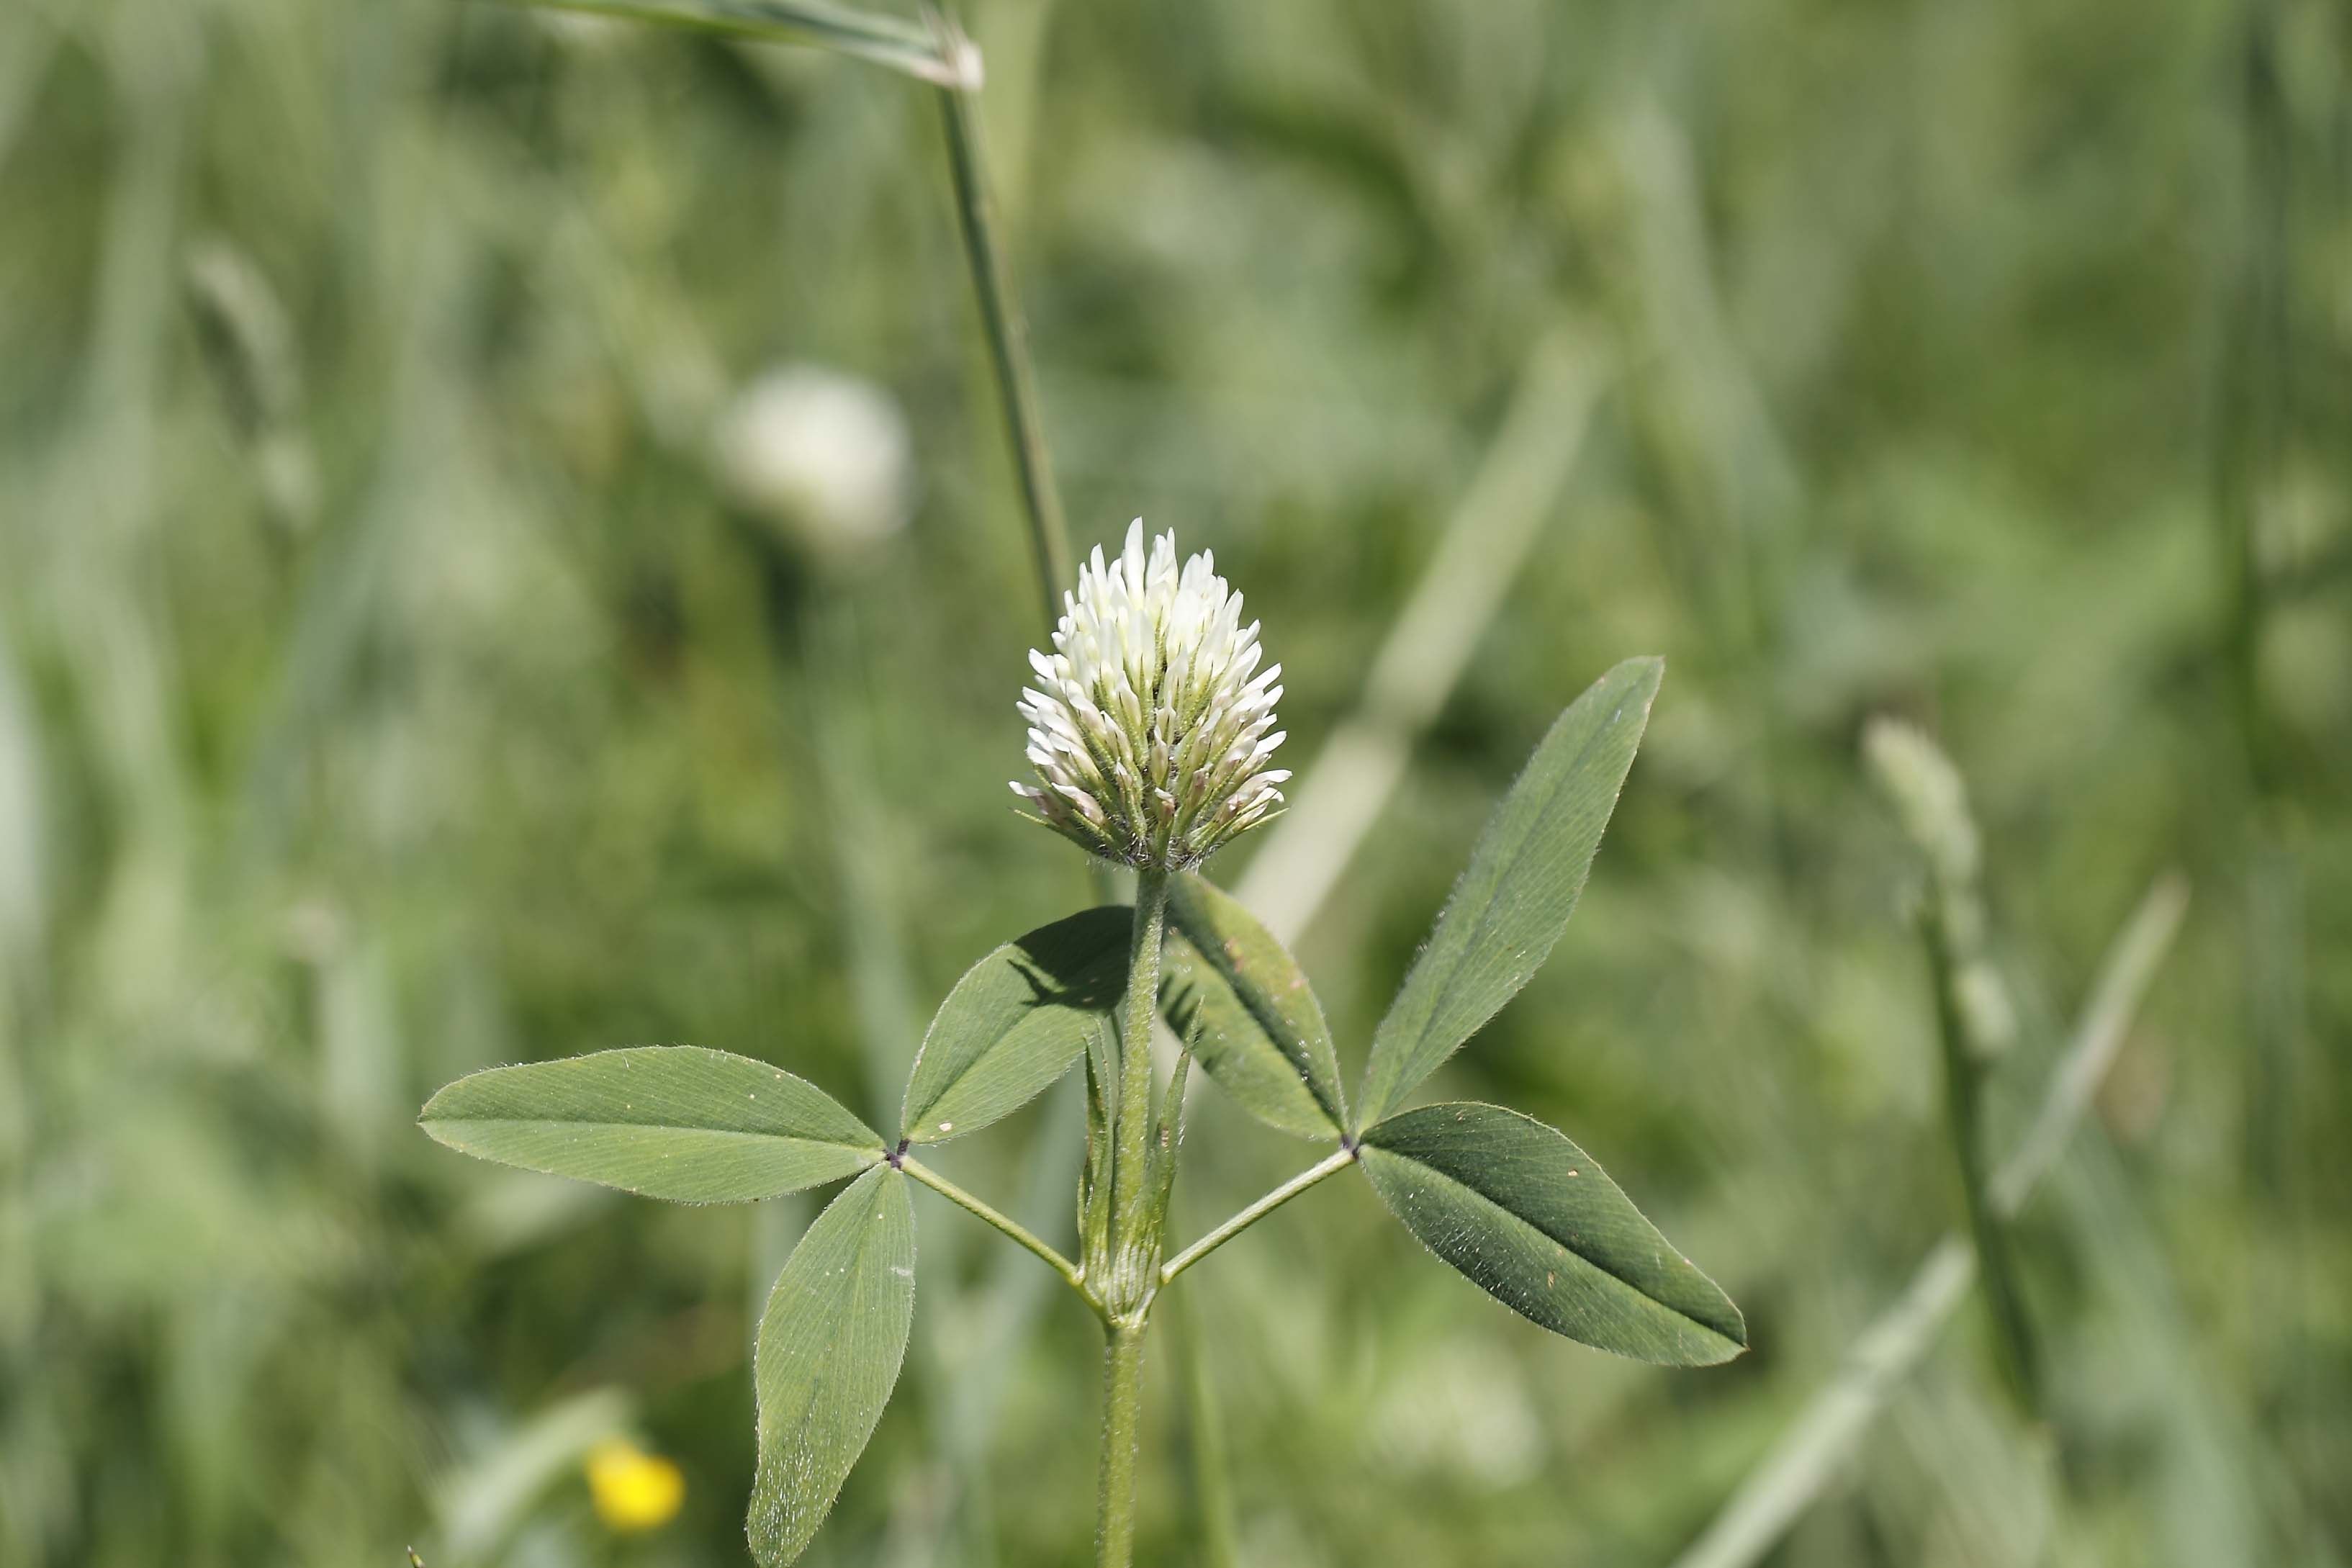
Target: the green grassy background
pixel 386 689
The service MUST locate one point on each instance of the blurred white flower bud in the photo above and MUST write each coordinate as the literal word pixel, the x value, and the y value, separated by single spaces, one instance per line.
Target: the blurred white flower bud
pixel 1463 1409
pixel 823 458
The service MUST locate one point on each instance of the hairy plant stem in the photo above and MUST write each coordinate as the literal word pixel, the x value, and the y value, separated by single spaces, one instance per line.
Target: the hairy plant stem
pixel 1008 345
pixel 1122 1416
pixel 1124 1288
pixel 1130 1194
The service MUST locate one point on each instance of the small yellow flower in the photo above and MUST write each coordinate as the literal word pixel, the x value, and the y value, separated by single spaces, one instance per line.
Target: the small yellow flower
pixel 632 1490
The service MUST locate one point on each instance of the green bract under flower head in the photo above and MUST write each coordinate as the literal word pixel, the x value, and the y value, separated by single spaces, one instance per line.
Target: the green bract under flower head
pixel 1148 729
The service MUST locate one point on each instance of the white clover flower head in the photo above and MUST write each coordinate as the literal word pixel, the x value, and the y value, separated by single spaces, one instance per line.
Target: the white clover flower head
pixel 1150 723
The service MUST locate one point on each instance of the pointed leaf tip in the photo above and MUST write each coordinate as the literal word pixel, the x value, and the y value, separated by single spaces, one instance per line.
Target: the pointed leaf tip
pixel 1514 897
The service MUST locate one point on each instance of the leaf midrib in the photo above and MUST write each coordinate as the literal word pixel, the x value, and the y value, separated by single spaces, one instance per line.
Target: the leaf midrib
pixel 1336 1114
pixel 1565 1243
pixel 438 1123
pixel 845 1288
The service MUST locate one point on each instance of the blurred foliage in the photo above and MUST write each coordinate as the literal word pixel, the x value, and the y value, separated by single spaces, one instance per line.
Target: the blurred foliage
pixel 387 688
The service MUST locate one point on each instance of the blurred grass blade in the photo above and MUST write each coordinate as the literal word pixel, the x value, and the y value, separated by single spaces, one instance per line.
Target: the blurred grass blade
pixel 679 1122
pixel 2124 978
pixel 25 846
pixel 2229 1489
pixel 1019 1019
pixel 249 339
pixel 28 43
pixel 1262 1034
pixel 1521 886
pixel 1206 1470
pixel 940 58
pixel 487 1496
pixel 1534 1222
pixel 831 1343
pixel 1486 542
pixel 1813 1449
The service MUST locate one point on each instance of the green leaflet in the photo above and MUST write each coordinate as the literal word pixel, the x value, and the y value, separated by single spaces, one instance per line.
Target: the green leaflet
pixel 1262 1034
pixel 1537 1224
pixel 1520 886
pixel 1016 1021
pixel 667 1121
pixel 831 1342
